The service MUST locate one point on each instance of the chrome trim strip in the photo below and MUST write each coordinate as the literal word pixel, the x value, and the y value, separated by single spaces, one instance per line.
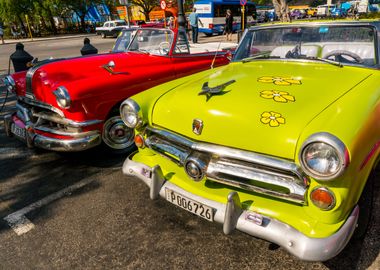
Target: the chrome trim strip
pixel 41 104
pixel 30 74
pixel 65 121
pixel 273 230
pixel 65 133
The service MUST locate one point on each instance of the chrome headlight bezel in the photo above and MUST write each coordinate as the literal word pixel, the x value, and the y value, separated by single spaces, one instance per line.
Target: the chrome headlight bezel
pixel 63 97
pixel 326 140
pixel 131 108
pixel 10 84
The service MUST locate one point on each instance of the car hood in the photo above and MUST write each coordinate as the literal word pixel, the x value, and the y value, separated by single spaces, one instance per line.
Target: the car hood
pixel 48 76
pixel 264 110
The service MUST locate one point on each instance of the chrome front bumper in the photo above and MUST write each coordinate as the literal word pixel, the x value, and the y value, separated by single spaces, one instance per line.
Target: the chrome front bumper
pixel 79 143
pixel 232 216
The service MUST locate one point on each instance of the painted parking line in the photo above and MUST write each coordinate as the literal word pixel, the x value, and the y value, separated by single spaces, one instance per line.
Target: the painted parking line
pixel 20 224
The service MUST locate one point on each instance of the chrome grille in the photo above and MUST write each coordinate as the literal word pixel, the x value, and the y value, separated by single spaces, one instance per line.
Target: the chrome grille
pixel 233 167
pixel 46 118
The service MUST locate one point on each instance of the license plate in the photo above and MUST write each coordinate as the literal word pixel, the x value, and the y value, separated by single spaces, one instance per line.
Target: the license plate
pixel 18 131
pixel 192 206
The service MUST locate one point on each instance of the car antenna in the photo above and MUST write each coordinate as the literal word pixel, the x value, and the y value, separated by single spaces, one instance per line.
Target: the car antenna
pixel 216 53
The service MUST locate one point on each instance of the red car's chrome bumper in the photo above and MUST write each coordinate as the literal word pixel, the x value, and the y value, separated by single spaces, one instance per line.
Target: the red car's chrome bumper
pixel 49 139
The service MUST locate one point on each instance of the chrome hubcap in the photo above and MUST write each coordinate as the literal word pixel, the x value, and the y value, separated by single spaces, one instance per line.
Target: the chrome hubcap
pixel 116 134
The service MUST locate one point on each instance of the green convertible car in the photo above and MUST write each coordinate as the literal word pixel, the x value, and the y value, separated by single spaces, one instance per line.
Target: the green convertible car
pixel 281 143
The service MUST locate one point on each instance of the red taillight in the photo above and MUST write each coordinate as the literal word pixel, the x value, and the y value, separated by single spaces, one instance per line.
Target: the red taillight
pixel 211 26
pixel 139 141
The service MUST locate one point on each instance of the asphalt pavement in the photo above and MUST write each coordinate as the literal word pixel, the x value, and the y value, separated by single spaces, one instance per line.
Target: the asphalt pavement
pixel 78 211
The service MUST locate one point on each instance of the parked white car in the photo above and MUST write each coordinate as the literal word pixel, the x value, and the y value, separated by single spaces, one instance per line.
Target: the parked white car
pixel 324 10
pixel 111 28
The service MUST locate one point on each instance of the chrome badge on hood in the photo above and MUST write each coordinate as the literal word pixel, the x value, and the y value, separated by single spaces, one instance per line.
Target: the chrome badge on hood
pixel 197 126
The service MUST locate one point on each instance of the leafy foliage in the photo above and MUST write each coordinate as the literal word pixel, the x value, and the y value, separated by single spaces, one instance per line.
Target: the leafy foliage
pixel 146 5
pixel 42 12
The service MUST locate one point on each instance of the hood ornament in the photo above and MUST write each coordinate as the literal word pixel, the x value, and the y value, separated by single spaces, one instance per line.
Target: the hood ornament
pixel 217 90
pixel 110 68
pixel 197 126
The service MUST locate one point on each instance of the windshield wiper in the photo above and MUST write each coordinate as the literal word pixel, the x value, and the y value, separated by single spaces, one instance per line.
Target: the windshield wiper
pixel 332 62
pixel 262 55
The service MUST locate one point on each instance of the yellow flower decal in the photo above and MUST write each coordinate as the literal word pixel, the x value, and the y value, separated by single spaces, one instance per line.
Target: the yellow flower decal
pixel 284 81
pixel 278 96
pixel 274 119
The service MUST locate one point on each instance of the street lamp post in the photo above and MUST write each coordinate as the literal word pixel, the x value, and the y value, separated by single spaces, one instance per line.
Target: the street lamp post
pixel 181 17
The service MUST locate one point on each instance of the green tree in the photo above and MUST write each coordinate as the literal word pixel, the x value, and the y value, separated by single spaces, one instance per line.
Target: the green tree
pixel 45 5
pixel 14 11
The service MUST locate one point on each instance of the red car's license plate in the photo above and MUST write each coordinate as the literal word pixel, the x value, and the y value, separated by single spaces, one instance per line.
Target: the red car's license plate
pixel 18 131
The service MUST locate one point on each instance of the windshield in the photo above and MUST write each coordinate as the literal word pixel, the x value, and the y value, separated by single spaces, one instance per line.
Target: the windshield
pixel 152 41
pixel 343 44
pixel 123 41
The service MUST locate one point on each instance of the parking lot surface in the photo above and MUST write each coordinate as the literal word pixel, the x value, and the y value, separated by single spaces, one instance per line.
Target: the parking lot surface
pixel 78 211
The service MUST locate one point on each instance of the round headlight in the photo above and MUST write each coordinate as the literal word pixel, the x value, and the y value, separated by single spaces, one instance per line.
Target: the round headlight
pixel 323 156
pixel 10 83
pixel 63 97
pixel 131 114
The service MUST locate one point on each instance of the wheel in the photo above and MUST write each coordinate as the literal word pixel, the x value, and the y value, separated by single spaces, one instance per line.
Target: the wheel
pixel 117 137
pixel 103 35
pixel 338 56
pixel 365 207
pixel 208 34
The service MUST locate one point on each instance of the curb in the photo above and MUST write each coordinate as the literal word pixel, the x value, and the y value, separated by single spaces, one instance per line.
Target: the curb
pixel 26 40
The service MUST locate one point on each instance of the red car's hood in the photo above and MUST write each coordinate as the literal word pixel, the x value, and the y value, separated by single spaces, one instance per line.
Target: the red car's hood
pixel 47 77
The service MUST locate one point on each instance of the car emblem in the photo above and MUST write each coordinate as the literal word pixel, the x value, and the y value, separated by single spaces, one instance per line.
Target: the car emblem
pixel 197 126
pixel 214 91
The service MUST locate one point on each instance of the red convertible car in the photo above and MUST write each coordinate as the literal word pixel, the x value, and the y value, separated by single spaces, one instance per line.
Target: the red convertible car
pixel 73 104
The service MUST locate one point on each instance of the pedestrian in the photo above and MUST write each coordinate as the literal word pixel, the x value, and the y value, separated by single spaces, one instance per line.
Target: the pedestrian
pixel 194 19
pixel 188 28
pixel 88 48
pixel 228 25
pixel 171 22
pixel 2 33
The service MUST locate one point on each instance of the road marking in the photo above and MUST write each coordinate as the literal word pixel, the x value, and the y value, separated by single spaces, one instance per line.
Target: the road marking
pixel 20 224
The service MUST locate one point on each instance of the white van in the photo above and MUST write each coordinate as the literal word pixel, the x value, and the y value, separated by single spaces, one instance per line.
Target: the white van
pixel 323 10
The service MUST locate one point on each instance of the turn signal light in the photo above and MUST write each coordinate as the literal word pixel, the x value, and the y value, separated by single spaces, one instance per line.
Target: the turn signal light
pixel 139 141
pixel 210 26
pixel 323 198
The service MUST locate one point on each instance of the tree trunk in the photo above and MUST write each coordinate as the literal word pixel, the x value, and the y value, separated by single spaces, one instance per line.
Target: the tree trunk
pixel 51 19
pixel 282 10
pixel 83 23
pixel 146 14
pixel 43 23
pixel 22 24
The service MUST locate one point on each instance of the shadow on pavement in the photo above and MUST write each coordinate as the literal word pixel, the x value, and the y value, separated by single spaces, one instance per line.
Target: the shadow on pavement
pixel 362 253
